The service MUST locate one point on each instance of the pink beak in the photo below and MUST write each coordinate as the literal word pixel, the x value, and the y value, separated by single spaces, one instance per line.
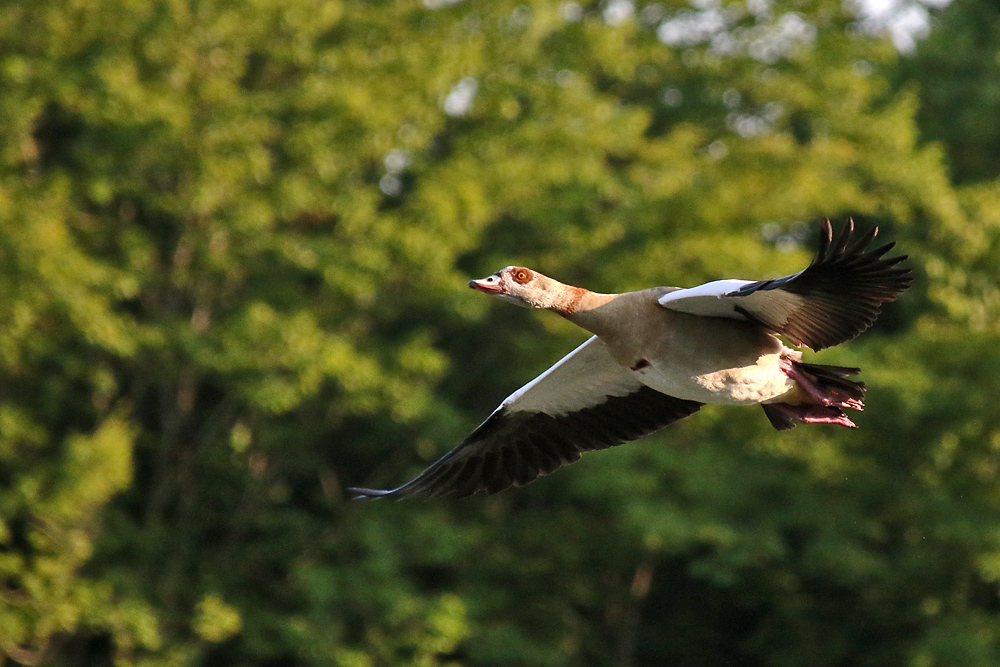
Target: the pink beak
pixel 490 285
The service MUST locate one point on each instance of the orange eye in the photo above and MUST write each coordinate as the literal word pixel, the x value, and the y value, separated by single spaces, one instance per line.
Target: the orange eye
pixel 522 275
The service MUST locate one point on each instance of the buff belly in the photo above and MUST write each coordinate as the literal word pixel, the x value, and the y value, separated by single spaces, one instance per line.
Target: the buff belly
pixel 710 360
pixel 759 382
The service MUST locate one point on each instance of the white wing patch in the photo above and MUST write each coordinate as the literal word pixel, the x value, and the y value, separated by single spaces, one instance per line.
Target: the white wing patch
pixel 708 299
pixel 719 299
pixel 583 378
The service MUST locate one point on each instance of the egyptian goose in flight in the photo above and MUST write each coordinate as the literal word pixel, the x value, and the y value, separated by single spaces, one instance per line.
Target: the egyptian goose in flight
pixel 659 354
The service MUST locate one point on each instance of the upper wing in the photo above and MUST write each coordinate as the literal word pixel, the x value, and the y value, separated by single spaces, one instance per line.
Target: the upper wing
pixel 585 401
pixel 831 301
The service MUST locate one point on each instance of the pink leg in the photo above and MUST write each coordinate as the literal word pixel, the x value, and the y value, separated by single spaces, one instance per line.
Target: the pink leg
pixel 784 416
pixel 826 396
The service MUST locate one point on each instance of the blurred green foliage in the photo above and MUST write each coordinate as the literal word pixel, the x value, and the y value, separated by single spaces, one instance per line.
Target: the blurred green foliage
pixel 234 239
pixel 958 74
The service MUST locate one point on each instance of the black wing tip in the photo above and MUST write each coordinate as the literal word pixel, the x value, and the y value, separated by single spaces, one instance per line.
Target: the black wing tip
pixel 852 252
pixel 834 246
pixel 826 231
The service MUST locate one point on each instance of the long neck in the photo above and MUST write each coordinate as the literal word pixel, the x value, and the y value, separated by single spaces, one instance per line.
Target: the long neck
pixel 573 303
pixel 577 301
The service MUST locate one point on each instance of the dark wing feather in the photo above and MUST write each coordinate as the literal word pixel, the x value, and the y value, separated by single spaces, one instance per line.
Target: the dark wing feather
pixel 844 288
pixel 512 448
pixel 835 298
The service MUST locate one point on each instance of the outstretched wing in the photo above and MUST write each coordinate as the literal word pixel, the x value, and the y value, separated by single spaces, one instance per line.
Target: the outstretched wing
pixel 585 401
pixel 831 301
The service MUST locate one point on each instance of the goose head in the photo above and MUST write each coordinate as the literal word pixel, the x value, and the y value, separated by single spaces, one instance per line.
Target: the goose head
pixel 521 286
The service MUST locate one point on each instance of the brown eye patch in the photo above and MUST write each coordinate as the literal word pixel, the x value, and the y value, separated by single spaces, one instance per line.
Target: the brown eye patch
pixel 521 275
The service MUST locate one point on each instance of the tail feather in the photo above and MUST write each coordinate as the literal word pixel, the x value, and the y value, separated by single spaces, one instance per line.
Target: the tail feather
pixel 833 380
pixel 828 389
